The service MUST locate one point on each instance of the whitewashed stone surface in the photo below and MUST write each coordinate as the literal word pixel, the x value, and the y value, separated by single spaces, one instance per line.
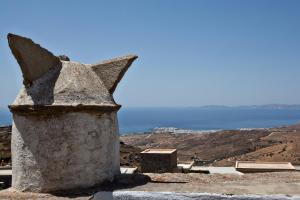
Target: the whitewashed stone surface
pixel 64 151
pixel 137 195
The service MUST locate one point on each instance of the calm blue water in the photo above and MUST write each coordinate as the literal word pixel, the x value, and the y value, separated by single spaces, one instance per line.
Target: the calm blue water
pixel 5 117
pixel 145 119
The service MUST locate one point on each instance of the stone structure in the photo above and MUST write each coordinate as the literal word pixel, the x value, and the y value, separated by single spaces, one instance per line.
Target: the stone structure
pixel 158 160
pixel 150 195
pixel 65 130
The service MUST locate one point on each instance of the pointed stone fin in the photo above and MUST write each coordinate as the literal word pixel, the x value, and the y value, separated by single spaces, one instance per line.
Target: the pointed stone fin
pixel 34 60
pixel 112 71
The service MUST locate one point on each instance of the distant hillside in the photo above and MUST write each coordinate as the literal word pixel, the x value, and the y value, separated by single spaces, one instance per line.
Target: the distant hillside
pixel 5 117
pixel 225 147
pixel 5 137
pixel 222 148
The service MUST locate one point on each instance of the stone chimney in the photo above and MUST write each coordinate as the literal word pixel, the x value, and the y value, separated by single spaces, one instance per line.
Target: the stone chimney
pixel 65 128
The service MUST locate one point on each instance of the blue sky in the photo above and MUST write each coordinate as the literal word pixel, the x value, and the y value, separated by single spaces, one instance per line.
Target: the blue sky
pixel 191 53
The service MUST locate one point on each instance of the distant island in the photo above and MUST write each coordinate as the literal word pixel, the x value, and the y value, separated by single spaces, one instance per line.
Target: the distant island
pixel 266 106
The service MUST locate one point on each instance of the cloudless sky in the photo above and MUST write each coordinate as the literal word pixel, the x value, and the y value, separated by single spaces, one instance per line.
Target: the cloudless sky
pixel 191 52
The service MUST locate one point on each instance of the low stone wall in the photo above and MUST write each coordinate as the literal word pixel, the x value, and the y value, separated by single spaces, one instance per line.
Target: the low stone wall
pixel 132 195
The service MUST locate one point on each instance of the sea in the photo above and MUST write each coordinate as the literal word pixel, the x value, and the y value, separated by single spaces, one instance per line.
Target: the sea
pixel 139 120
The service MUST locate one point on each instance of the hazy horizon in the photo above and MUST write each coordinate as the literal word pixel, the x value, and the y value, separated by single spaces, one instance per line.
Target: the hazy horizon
pixel 191 53
pixel 199 106
pixel 141 119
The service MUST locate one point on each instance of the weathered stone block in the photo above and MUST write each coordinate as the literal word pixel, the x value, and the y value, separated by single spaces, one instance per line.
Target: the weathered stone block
pixel 159 160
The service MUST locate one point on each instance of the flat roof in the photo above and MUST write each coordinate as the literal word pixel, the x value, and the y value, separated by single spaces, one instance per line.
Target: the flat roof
pixel 264 165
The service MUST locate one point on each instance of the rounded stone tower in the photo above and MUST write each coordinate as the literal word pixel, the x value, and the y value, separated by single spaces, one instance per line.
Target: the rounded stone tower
pixel 65 128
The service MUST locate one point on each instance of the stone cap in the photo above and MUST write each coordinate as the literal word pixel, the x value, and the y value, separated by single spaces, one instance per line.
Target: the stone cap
pixel 55 84
pixel 260 166
pixel 158 151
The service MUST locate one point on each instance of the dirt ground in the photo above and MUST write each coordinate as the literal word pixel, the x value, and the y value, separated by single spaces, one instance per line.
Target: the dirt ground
pixel 257 183
pixel 286 183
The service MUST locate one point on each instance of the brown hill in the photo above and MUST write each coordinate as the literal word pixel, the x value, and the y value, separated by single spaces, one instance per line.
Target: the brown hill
pixel 5 136
pixel 129 155
pixel 219 149
pixel 284 146
pixel 225 147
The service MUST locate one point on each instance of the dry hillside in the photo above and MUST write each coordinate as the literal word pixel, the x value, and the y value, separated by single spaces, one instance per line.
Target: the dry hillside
pixel 225 147
pixel 219 149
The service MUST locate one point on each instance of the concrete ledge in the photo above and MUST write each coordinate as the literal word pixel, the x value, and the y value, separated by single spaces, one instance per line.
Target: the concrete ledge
pixel 128 170
pixel 136 195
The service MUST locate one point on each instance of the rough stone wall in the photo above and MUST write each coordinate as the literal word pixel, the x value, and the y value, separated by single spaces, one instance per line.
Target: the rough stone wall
pixel 64 151
pixel 158 163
